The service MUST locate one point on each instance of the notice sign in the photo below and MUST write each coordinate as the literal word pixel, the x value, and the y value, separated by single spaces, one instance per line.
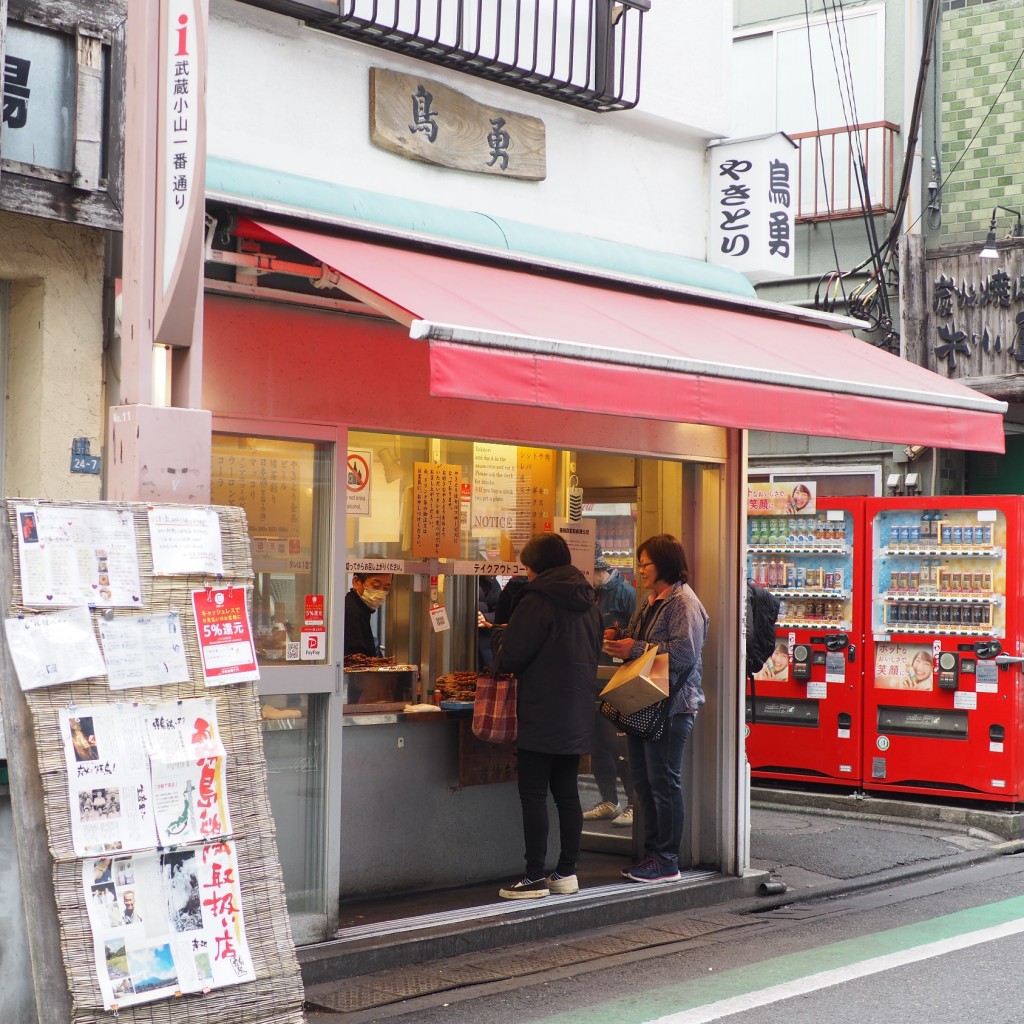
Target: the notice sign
pixel 357 483
pixel 225 635
pixel 579 535
pixel 436 492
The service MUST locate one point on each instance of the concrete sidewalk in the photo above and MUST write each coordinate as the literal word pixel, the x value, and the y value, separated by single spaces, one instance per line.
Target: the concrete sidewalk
pixel 803 846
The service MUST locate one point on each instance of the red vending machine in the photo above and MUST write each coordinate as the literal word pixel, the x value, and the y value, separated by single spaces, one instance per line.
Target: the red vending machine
pixel 942 691
pixel 803 708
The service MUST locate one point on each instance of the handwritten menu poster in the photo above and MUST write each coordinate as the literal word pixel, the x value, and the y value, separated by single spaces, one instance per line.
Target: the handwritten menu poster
pixel 435 510
pixel 535 496
pixel 77 556
pixel 185 540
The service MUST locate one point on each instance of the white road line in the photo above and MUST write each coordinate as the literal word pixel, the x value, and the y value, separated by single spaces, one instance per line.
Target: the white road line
pixel 814 982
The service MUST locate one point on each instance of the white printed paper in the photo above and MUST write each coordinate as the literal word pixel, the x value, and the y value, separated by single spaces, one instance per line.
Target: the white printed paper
pixel 166 923
pixel 54 647
pixel 139 775
pixel 144 650
pixel 185 540
pixel 965 700
pixel 817 691
pixel 77 556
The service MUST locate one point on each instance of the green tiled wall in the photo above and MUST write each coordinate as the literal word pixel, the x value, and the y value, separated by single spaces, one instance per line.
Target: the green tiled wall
pixel 981 43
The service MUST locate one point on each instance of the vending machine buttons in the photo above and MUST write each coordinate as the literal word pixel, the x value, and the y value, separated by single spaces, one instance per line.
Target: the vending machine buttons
pixel 949 673
pixel 801 663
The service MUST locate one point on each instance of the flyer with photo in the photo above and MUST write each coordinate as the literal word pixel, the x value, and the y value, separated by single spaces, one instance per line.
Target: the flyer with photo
pixel 77 556
pixel 165 923
pixel 139 776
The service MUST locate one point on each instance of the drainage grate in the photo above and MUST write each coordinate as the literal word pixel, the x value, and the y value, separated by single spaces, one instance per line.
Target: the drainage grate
pixel 351 996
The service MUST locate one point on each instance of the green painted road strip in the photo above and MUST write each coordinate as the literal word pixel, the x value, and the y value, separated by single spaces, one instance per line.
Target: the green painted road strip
pixel 729 992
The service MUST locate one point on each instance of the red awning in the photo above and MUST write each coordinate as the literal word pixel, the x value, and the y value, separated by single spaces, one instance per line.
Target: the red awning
pixel 520 336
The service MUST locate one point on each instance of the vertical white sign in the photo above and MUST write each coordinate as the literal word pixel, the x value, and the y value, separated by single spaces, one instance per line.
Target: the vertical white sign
pixel 752 205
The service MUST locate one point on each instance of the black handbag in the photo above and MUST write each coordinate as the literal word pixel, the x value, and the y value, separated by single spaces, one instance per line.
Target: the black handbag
pixel 646 724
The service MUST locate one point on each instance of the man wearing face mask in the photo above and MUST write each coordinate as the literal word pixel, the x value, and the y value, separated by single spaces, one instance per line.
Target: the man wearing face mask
pixel 368 593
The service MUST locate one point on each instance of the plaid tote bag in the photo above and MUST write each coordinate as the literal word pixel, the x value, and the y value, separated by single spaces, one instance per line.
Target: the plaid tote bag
pixel 494 711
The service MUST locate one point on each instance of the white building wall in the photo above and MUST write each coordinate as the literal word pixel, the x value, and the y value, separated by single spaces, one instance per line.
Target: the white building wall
pixel 293 99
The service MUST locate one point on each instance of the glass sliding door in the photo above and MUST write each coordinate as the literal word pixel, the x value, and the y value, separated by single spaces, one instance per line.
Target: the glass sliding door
pixel 287 487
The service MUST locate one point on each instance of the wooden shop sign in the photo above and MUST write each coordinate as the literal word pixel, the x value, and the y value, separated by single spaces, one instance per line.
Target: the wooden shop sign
pixel 427 121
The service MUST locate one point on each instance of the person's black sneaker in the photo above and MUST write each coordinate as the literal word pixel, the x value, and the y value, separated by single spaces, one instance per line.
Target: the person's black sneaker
pixel 654 871
pixel 642 863
pixel 525 889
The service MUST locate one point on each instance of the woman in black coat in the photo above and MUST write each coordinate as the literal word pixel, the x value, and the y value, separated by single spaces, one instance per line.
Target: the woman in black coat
pixel 551 643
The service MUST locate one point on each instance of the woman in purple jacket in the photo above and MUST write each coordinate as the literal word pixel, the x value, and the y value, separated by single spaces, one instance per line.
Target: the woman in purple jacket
pixel 672 617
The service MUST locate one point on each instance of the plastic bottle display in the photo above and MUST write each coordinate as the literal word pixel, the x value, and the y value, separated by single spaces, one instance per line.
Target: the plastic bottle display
pixel 805 560
pixel 939 572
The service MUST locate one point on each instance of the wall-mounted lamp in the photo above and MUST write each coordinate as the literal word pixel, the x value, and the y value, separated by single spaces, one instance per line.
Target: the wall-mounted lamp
pixel 389 459
pixel 990 252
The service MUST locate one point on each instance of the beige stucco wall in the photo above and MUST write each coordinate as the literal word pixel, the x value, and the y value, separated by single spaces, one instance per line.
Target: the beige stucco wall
pixel 54 355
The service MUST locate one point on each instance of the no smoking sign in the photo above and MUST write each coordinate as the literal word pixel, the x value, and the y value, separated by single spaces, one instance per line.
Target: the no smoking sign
pixel 357 482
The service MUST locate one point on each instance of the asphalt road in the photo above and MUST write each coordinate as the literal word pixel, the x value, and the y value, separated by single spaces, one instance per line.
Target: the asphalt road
pixel 942 949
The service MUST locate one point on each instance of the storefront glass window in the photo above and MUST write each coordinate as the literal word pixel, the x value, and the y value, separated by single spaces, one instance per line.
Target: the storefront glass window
pixel 284 488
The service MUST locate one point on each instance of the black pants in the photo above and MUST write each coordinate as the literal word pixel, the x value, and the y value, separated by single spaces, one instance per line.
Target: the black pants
pixel 537 774
pixel 608 761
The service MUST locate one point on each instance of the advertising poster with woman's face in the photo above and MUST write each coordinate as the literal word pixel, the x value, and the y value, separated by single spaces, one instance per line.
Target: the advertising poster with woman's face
pixel 904 667
pixel 782 499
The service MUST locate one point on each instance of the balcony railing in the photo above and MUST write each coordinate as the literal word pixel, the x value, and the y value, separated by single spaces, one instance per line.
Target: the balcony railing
pixel 831 182
pixel 582 52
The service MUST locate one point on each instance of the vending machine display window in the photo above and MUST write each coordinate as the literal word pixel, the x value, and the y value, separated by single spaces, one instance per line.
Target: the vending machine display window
pixel 940 572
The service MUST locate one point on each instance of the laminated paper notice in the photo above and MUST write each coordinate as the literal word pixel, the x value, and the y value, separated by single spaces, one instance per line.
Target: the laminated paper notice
pixel 165 923
pixel 54 647
pixel 76 556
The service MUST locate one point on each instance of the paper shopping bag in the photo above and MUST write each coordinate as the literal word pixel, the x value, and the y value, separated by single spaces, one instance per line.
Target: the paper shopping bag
pixel 638 683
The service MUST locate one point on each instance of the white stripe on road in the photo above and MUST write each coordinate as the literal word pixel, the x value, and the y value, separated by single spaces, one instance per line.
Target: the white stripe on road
pixel 800 986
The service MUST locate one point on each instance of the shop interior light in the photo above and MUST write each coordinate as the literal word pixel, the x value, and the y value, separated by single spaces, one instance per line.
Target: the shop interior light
pixel 389 460
pixel 990 252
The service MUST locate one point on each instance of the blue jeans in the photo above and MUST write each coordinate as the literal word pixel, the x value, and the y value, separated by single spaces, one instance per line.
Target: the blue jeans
pixel 657 766
pixel 537 773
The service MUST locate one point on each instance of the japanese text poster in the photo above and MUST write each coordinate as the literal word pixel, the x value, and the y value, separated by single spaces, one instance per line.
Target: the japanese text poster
pixel 225 635
pixel 435 510
pixel 166 923
pixel 185 540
